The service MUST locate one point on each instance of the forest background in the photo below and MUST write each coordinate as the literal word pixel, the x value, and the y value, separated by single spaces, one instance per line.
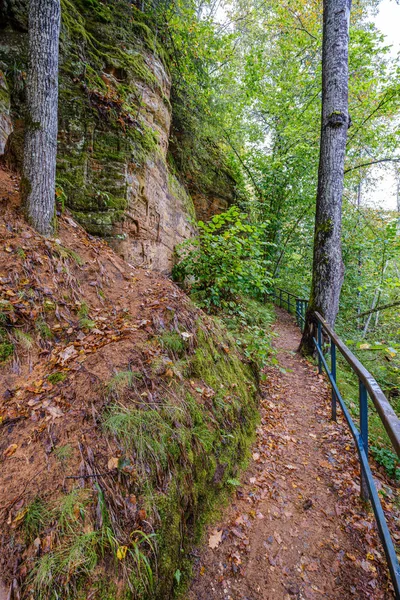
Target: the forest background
pixel 248 77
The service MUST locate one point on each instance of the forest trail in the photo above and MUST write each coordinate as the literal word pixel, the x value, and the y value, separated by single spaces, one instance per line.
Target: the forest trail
pixel 296 528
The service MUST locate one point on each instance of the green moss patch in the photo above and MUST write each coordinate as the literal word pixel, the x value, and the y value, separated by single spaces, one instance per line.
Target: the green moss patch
pixel 189 445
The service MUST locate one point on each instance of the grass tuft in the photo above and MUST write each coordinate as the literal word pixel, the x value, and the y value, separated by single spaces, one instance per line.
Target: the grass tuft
pixel 23 339
pixel 35 518
pixel 121 382
pixel 173 342
pixel 63 453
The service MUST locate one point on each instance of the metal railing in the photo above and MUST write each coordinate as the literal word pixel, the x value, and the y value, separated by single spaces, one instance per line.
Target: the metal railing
pixel 368 387
pixel 297 306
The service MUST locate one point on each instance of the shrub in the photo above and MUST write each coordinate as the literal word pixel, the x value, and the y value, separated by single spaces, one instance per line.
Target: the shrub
pixel 228 258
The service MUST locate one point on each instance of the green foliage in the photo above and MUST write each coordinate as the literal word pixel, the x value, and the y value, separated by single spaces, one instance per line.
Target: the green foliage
pixel 6 345
pixel 84 321
pixel 6 350
pixel 150 430
pixel 34 518
pixel 76 558
pixel 225 260
pixel 177 440
pixel 43 329
pixel 121 382
pixel 250 323
pixel 79 547
pixel 57 377
pixel 173 341
pixel 388 460
pixel 63 453
pixel 67 253
pixel 23 339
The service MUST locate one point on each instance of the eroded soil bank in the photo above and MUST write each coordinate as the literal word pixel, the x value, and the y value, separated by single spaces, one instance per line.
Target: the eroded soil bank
pixel 124 413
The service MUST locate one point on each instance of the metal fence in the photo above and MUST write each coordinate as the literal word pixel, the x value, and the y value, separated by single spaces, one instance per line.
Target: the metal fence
pixel 327 340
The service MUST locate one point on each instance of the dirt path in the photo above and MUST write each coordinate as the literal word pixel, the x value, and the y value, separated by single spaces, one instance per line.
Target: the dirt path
pixel 296 528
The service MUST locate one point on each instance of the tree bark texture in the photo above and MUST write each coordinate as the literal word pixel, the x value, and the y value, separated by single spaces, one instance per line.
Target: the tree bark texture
pixel 40 149
pixel 328 270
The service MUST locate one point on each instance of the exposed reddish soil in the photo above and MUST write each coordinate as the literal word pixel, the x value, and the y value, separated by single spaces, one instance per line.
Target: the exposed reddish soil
pixel 297 528
pixel 50 281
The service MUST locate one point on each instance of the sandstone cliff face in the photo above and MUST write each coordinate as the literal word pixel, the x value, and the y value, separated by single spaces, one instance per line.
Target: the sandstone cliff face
pixel 121 188
pixel 114 130
pixel 5 118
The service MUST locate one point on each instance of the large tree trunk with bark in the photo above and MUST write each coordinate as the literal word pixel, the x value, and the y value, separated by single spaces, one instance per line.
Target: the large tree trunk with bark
pixel 39 165
pixel 328 267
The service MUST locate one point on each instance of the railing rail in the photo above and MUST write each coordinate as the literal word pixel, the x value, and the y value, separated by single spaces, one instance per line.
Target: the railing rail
pixel 284 299
pixel 368 387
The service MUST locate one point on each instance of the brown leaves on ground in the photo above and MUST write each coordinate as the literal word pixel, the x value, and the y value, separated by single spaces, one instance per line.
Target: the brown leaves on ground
pixel 297 528
pixel 77 314
pixel 215 539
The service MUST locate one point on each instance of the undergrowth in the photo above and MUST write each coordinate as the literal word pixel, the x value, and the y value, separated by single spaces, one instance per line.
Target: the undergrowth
pixel 180 434
pixel 78 532
pixel 379 441
pixel 186 445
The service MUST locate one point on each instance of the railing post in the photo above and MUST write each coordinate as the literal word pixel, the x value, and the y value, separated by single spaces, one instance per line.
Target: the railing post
pixel 319 339
pixel 280 298
pixel 333 372
pixel 363 402
pixel 298 320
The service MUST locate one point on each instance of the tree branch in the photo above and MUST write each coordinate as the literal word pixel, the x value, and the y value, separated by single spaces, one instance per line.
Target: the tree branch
pixel 372 162
pixel 378 308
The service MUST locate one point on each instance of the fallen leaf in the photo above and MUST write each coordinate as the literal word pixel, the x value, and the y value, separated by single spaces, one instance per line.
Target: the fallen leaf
pixel 186 335
pixel 55 412
pixel 278 538
pixel 10 450
pixel 121 552
pixel 215 539
pixel 350 556
pixel 68 353
pixel 19 516
pixel 113 463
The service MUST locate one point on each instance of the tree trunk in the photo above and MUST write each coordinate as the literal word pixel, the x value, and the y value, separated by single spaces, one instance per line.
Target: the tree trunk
pixel 39 165
pixel 328 270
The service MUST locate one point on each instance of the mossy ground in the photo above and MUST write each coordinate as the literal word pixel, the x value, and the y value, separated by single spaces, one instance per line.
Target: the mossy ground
pixel 177 449
pixel 189 447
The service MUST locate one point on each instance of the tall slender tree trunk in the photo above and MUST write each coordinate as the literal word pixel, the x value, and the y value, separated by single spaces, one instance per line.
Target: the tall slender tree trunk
pixel 328 270
pixel 359 265
pixel 39 166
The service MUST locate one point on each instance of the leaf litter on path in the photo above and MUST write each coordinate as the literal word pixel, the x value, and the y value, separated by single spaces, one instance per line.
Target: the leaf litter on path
pixel 296 528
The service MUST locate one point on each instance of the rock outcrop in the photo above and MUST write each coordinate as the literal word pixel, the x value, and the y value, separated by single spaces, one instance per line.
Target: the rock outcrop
pixel 114 130
pixel 5 118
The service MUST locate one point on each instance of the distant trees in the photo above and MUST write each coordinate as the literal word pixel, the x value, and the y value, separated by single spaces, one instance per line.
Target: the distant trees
pixel 328 270
pixel 39 164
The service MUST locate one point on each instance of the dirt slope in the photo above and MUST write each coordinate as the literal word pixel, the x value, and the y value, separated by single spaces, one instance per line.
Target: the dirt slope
pixel 297 528
pixel 117 397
